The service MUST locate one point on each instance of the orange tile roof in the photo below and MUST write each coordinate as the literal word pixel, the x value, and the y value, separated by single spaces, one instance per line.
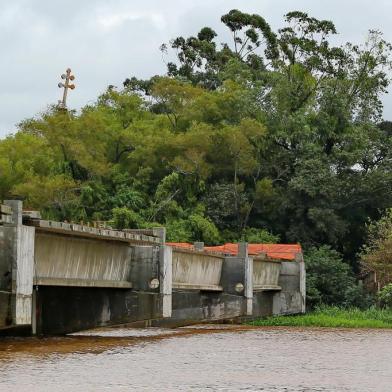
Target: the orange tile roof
pixel 184 245
pixel 274 251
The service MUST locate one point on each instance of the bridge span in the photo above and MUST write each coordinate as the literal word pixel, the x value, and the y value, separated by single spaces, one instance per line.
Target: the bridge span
pixel 57 278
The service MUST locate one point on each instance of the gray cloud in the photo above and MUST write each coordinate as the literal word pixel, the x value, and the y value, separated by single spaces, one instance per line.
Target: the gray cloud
pixel 106 41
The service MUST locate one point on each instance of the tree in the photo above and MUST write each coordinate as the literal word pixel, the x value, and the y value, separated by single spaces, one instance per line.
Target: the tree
pixel 376 255
pixel 330 281
pixel 323 153
pixel 124 218
pixel 259 236
pixel 385 296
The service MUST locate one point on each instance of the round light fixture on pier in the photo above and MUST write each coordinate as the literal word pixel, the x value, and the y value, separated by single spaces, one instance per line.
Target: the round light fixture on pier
pixel 154 283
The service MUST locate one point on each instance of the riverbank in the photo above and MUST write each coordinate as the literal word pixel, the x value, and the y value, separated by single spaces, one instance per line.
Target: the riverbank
pixel 334 318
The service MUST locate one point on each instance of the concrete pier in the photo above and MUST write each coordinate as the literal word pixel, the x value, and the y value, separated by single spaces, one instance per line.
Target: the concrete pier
pixel 207 286
pixel 16 268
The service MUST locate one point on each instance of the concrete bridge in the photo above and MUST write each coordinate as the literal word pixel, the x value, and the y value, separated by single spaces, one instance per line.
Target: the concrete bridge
pixel 57 278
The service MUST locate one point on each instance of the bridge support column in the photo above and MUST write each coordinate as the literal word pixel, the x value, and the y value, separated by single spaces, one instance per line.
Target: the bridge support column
pixel 18 262
pixel 302 280
pixel 248 264
pixel 166 278
pixel 292 280
pixel 237 278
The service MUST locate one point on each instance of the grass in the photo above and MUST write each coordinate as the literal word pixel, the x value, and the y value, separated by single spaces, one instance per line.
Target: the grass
pixel 333 317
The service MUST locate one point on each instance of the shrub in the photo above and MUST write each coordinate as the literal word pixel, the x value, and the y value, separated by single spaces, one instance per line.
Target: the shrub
pixel 377 253
pixel 329 280
pixel 195 228
pixel 178 231
pixel 124 218
pixel 259 236
pixel 204 229
pixel 385 296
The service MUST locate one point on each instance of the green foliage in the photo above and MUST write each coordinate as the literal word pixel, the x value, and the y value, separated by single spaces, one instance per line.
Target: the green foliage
pixel 259 236
pixel 376 254
pixel 178 231
pixel 195 228
pixel 385 296
pixel 333 317
pixel 204 230
pixel 329 280
pixel 124 218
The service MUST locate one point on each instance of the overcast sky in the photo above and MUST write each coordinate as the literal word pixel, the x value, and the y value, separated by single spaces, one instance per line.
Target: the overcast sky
pixel 106 41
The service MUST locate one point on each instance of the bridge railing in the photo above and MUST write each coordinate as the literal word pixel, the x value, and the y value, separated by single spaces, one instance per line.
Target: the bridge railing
pixel 266 274
pixel 85 231
pixel 193 269
pixel 74 261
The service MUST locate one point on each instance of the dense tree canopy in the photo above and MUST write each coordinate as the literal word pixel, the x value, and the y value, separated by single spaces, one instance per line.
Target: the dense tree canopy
pixel 275 135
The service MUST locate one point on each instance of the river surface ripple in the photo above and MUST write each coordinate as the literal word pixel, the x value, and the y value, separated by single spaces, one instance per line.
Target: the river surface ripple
pixel 208 358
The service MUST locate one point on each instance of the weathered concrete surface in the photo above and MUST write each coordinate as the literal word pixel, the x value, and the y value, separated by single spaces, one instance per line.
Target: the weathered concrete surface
pixel 144 266
pixel 5 309
pixel 5 277
pixel 266 274
pixel 196 270
pixel 62 310
pixel 16 269
pixel 290 299
pixel 74 261
pixel 16 208
pixel 302 281
pixel 208 287
pixel 192 306
pixel 5 260
pixel 76 230
pixel 166 279
pixel 263 303
pixel 148 267
pixel 266 286
pixel 82 276
pixel 5 214
pixel 234 272
pixel 22 274
pixel 222 287
pixel 248 278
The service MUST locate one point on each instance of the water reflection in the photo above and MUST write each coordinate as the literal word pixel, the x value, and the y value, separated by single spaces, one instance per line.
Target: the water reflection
pixel 208 358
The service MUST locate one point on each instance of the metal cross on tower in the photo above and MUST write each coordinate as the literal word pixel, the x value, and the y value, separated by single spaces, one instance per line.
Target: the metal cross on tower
pixel 66 85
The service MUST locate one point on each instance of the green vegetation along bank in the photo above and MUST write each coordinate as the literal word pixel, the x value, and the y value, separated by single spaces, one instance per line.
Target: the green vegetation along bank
pixel 333 317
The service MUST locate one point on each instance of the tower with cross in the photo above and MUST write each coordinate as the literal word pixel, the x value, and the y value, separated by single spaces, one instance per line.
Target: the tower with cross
pixel 67 77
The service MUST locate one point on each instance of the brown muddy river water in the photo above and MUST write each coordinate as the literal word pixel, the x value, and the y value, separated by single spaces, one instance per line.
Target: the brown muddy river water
pixel 208 358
